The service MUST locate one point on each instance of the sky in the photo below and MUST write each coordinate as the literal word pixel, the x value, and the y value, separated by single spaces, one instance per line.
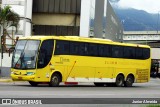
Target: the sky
pixel 151 6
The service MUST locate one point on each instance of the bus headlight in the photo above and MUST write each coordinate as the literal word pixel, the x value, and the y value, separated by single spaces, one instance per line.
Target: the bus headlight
pixel 12 72
pixel 30 73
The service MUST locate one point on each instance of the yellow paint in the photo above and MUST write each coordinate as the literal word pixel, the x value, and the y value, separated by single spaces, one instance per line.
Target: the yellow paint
pixel 88 67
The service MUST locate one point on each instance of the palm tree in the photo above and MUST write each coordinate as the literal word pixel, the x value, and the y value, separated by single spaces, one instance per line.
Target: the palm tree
pixel 8 18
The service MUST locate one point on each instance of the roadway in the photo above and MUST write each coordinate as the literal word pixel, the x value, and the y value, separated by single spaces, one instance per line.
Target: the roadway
pixel 83 90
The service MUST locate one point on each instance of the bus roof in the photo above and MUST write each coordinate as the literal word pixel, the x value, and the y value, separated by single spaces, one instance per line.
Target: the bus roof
pixel 84 39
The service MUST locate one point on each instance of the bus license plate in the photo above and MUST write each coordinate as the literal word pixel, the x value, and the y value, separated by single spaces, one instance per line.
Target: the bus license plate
pixel 20 78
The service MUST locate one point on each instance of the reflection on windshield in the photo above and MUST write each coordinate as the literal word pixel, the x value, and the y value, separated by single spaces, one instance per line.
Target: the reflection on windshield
pixel 25 54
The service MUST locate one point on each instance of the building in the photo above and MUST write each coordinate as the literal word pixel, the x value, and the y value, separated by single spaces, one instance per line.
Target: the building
pixel 56 17
pixel 64 17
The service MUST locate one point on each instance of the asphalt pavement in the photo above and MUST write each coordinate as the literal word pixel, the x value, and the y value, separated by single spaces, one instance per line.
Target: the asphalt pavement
pixel 20 89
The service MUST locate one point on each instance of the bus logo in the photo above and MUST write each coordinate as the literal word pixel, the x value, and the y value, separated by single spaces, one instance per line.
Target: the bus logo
pixel 6 101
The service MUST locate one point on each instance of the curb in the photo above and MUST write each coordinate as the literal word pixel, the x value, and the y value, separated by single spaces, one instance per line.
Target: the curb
pixel 6 80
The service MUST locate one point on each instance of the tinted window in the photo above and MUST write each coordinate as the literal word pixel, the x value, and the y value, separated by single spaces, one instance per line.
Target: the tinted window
pixel 117 51
pixel 139 53
pixel 74 48
pixel 92 49
pixel 129 52
pixel 100 50
pixel 86 49
pixel 146 53
pixel 83 49
pixel 104 50
pixel 62 48
pixel 45 53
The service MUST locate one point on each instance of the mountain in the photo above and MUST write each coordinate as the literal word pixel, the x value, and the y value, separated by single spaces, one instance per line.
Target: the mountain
pixel 137 20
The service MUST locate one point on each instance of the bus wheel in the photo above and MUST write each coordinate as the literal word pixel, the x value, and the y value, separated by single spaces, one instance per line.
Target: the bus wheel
pixel 33 83
pixel 120 81
pixel 55 80
pixel 129 81
pixel 98 84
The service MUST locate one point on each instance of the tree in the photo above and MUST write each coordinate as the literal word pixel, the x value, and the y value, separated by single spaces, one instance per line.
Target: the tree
pixel 8 18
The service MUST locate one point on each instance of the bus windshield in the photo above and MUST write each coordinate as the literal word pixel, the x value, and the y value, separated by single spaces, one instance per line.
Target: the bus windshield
pixel 24 56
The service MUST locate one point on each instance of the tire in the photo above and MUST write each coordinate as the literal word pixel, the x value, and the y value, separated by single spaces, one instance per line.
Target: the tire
pixel 120 81
pixel 129 81
pixel 33 83
pixel 99 84
pixel 55 80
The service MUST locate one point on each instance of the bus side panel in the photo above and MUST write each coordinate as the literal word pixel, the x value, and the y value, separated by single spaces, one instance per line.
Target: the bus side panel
pixel 142 75
pixel 143 72
pixel 104 74
pixel 42 74
pixel 80 74
pixel 125 72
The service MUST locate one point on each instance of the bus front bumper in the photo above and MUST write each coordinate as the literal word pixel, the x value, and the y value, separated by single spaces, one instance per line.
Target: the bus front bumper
pixel 22 77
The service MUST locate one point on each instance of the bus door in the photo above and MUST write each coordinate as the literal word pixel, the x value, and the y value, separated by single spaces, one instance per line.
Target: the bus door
pixel 44 59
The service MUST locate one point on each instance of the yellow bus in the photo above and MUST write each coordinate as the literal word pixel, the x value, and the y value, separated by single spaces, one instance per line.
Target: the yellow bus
pixel 56 59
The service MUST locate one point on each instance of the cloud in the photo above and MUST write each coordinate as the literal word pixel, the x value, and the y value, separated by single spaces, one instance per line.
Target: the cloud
pixel 114 0
pixel 151 6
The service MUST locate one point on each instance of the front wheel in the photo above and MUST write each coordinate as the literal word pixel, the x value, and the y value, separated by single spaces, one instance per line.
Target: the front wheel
pixel 120 81
pixel 33 83
pixel 55 80
pixel 129 81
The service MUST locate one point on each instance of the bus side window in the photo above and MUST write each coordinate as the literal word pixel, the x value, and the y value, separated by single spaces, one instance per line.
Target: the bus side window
pixel 74 48
pixel 101 51
pixel 41 58
pixel 117 51
pixel 93 51
pixel 81 49
pixel 129 52
pixel 62 48
pixel 86 49
pixel 45 53
pixel 139 53
pixel 146 53
pixel 104 50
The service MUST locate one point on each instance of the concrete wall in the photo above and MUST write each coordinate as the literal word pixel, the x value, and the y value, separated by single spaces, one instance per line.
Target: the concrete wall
pixel 155 53
pixel 85 18
pixel 6 64
pixel 55 19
